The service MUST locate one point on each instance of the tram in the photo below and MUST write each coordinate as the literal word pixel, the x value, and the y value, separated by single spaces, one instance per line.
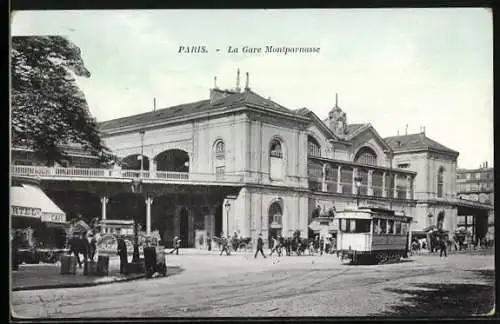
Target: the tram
pixel 372 235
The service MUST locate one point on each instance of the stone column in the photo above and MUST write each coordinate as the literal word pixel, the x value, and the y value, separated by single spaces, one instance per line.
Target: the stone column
pixel 152 168
pixel 354 173
pixel 370 183
pixel 323 180
pixel 384 194
pixel 104 202
pixel 339 185
pixel 149 201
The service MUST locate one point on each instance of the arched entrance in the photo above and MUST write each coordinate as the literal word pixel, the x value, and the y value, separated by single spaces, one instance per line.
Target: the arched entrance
pixel 172 160
pixel 184 227
pixel 133 162
pixel 275 221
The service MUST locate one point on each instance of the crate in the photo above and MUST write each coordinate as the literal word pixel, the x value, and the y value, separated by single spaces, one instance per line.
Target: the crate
pixel 103 265
pixel 68 264
pixel 90 268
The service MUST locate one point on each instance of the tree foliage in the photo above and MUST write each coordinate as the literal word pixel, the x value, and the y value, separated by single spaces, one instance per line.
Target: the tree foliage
pixel 49 110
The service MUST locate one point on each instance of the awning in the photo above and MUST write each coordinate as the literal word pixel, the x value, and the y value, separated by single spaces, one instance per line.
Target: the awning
pixel 21 203
pixel 35 198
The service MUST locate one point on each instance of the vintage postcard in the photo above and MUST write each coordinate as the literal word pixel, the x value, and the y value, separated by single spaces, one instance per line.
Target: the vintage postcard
pixel 252 163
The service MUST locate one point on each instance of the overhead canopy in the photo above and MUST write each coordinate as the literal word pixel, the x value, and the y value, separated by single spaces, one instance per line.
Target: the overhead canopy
pixel 22 205
pixel 29 196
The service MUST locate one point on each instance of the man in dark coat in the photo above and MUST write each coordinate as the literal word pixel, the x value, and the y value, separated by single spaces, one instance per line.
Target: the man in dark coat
pixel 122 252
pixel 260 246
pixel 176 242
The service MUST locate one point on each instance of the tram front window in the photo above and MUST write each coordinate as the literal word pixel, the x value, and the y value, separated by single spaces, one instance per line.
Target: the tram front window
pixel 355 225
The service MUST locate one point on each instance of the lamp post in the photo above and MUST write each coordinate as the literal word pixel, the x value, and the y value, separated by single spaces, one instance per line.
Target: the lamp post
pixel 357 181
pixel 227 205
pixel 136 188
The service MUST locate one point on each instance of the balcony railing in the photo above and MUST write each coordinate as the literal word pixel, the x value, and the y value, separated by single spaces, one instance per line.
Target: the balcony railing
pixel 60 172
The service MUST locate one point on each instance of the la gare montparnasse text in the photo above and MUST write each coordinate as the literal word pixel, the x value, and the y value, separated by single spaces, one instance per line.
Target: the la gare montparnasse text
pixel 252 50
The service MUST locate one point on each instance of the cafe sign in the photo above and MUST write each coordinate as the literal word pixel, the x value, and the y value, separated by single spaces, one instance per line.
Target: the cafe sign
pixel 53 218
pixel 25 211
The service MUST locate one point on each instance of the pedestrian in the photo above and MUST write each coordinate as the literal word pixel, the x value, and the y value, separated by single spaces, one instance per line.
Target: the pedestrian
pixel 260 246
pixel 225 245
pixel 321 245
pixel 122 252
pixel 209 242
pixel 442 246
pixel 275 246
pixel 176 244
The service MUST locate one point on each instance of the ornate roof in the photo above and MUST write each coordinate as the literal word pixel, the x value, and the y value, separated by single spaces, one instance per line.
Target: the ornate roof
pixel 415 142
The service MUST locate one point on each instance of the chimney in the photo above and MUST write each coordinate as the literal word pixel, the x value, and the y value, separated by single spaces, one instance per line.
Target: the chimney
pixel 486 164
pixel 247 82
pixel 406 130
pixel 154 104
pixel 237 89
pixel 398 132
pixel 215 82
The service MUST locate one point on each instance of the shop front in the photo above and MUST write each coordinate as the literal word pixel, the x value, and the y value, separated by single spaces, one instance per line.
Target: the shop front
pixel 37 223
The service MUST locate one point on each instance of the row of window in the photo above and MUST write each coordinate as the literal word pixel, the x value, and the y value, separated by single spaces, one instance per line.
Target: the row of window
pixel 380 226
pixel 475 175
pixel 461 187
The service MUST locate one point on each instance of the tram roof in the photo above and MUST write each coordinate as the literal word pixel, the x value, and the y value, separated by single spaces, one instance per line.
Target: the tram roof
pixel 369 213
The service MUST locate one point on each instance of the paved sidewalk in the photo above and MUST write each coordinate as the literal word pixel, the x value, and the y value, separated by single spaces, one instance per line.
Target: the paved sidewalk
pixel 47 276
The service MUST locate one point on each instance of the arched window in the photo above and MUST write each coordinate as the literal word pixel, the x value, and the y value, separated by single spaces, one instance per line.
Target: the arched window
pixel 440 182
pixel 313 148
pixel 220 149
pixel 366 156
pixel 219 159
pixel 275 149
pixel 275 214
pixel 276 162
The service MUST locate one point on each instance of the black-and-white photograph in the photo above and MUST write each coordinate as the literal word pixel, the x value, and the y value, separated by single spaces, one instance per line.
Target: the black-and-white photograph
pixel 252 163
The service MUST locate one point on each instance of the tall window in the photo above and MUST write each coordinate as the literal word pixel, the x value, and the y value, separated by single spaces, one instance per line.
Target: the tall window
pixel 401 186
pixel 276 150
pixel 346 180
pixel 366 156
pixel 220 150
pixel 313 148
pixel 440 181
pixel 377 183
pixel 219 159
pixel 276 166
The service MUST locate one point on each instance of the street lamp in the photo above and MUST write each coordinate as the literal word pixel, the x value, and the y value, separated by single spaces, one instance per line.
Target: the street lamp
pixel 227 205
pixel 136 188
pixel 357 181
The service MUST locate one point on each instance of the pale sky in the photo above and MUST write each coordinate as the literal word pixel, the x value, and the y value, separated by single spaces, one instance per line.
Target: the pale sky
pixel 390 67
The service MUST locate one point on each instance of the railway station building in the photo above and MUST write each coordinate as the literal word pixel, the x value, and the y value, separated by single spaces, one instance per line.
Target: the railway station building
pixel 238 162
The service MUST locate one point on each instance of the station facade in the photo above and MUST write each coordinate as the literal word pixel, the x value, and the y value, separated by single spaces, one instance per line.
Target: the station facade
pixel 286 168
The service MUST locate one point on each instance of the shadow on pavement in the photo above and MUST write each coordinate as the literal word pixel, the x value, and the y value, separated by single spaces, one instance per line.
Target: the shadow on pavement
pixel 376 264
pixel 447 300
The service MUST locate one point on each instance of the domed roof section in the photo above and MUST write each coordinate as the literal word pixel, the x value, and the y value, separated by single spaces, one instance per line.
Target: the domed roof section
pixel 337 120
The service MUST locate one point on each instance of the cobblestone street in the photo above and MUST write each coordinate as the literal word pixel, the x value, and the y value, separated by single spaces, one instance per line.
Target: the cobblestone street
pixel 239 285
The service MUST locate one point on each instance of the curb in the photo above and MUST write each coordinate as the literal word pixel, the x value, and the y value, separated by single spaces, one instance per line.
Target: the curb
pixel 79 285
